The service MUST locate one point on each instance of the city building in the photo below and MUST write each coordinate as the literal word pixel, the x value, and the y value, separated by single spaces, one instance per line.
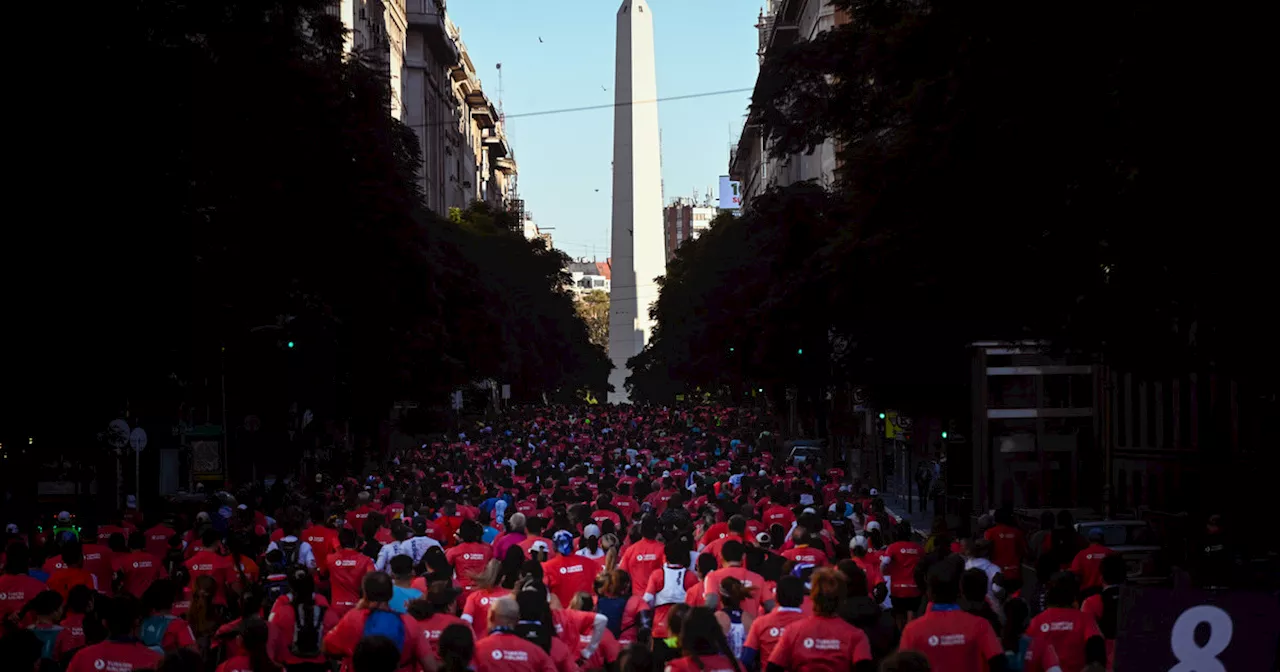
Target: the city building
pixel 781 24
pixel 376 30
pixel 465 153
pixel 685 219
pixel 586 276
pixel 532 232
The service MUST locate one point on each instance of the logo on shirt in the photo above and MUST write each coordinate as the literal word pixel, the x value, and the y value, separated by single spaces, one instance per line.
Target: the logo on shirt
pixel 345 563
pixel 946 640
pixel 776 632
pixel 99 664
pixel 473 556
pixel 483 602
pixel 822 644
pixel 203 568
pixel 1057 626
pixel 575 569
pixel 1094 556
pixel 646 557
pixel 909 551
pixel 518 656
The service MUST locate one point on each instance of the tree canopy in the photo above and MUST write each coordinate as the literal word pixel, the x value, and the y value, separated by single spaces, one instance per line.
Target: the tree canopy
pixel 246 207
pixel 1006 171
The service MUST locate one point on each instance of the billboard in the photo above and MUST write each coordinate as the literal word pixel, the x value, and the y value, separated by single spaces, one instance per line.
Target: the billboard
pixel 730 194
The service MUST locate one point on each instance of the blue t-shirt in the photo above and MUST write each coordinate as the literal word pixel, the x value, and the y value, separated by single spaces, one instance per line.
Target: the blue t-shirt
pixel 490 533
pixel 400 597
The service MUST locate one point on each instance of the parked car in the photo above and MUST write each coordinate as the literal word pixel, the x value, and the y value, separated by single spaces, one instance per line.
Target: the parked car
pixel 806 451
pixel 1137 542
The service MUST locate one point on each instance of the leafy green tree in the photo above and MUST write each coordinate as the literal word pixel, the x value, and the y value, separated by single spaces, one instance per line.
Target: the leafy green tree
pixel 593 308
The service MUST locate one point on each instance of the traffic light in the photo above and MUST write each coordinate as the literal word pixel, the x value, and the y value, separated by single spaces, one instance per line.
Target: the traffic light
pixel 289 345
pixel 799 351
pixel 731 348
pixel 944 433
pixel 882 416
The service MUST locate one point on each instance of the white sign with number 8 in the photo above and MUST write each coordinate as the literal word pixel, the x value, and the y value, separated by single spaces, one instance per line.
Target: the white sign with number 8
pixel 1192 657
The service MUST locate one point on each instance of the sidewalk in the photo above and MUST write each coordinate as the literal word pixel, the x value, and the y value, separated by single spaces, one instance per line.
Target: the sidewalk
pixel 896 505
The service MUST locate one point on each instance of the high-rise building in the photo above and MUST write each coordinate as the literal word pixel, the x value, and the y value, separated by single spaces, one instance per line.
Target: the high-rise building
pixel 637 248
pixel 782 23
pixel 685 219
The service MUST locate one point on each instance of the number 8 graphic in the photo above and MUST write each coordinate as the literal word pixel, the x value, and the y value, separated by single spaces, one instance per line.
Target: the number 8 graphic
pixel 1193 658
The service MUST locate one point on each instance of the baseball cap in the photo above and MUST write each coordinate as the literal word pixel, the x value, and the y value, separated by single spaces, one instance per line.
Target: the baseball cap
pixel 591 531
pixel 64 517
pixel 11 528
pixel 539 547
pixel 202 517
pixel 858 542
pixel 874 492
pixel 563 541
pixel 873 525
pixel 763 539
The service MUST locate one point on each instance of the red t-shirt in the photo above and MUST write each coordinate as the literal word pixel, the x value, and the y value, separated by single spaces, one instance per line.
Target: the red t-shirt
pixel 114 656
pixel 903 556
pixel 821 644
pixel 1008 546
pixel 236 664
pixel 16 590
pixel 602 515
pixel 323 540
pixel 476 609
pixel 504 652
pixel 140 570
pixel 952 640
pixel 714 532
pixel 469 559
pixel 806 554
pixel 567 575
pixel 716 547
pixel 711 586
pixel 210 563
pixel 356 518
pixel 341 641
pixel 639 560
pixel 71 637
pixel 158 540
pixel 767 630
pixel 1066 630
pixel 63 580
pixel 97 561
pixel 177 635
pixel 347 568
pixel 281 626
pixel 1088 565
pixel 434 626
pixel 778 515
pixel 716 663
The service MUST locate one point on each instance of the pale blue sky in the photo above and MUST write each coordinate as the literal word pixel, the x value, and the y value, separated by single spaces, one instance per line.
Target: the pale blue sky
pixel 701 45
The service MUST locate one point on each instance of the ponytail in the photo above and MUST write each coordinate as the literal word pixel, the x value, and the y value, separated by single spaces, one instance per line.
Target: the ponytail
pixel 593 544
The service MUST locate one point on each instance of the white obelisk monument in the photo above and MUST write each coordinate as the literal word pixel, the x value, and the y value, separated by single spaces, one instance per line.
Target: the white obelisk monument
pixel 637 246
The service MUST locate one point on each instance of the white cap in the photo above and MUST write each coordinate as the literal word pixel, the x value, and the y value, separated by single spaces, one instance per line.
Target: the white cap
pixel 873 525
pixel 809 509
pixel 763 539
pixel 591 531
pixel 874 492
pixel 243 507
pixel 540 546
pixel 858 542
pixel 11 528
pixel 64 517
pixel 665 474
pixel 202 517
pixel 131 502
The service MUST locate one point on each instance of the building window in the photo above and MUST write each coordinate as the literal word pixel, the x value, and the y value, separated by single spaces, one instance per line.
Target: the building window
pixel 599 283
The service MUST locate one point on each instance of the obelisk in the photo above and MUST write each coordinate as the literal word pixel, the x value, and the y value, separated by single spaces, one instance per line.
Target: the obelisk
pixel 637 246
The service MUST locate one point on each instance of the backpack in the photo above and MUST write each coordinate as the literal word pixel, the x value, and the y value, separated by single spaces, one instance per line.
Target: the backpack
pixel 274 585
pixel 48 638
pixel 153 629
pixel 1110 611
pixel 386 624
pixel 308 627
pixel 289 554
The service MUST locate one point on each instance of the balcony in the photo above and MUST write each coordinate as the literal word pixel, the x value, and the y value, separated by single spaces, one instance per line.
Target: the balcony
pixel 481 109
pixel 496 143
pixel 429 17
pixel 505 165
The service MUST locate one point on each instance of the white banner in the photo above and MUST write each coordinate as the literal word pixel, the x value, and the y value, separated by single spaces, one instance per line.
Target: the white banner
pixel 730 194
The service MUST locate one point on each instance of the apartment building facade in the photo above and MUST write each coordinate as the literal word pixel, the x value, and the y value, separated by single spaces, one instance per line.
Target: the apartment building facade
pixel 685 219
pixel 781 24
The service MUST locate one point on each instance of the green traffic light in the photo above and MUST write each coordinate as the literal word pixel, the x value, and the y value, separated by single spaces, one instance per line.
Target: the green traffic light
pixel 799 351
pixel 944 435
pixel 289 344
pixel 882 416
pixel 730 348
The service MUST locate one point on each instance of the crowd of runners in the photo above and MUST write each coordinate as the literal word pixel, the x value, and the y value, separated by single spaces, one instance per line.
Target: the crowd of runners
pixel 557 539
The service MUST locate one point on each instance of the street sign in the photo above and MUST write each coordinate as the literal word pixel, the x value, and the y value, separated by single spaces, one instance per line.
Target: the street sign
pixel 138 439
pixel 1166 629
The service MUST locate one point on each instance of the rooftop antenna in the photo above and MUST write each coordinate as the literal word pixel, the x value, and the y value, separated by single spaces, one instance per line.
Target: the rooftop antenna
pixel 502 116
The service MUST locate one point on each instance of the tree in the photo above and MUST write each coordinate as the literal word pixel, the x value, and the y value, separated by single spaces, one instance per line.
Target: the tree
pixel 248 188
pixel 593 308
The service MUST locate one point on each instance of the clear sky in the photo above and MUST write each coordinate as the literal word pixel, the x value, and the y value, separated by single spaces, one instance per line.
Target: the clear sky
pixel 564 159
